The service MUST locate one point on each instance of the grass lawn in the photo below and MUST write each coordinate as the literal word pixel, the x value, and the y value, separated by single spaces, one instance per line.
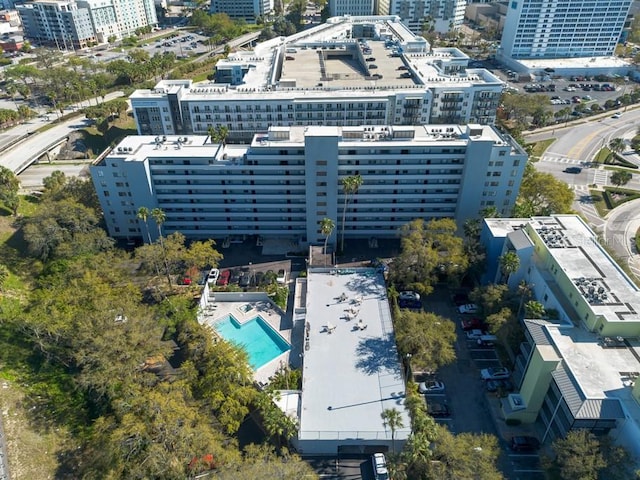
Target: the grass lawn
pixel 598 202
pixel 538 148
pixel 602 155
pixel 97 141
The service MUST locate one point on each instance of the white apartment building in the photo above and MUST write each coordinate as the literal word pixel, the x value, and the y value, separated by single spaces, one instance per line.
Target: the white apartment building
pixel 351 71
pixel 120 17
pixel 289 178
pixel 562 28
pixel 247 10
pixel 338 8
pixel 444 15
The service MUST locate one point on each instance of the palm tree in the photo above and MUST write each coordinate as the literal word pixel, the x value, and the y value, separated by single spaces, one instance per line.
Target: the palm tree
pixel 392 418
pixel 326 228
pixel 509 263
pixel 616 145
pixel 524 291
pixel 143 214
pixel 350 185
pixel 159 217
pixel 218 134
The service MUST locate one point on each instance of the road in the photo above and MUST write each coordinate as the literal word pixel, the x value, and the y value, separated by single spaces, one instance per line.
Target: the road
pixel 576 145
pixel 14 155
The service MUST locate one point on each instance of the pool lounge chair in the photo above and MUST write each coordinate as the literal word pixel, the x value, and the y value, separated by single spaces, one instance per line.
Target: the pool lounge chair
pixel 330 327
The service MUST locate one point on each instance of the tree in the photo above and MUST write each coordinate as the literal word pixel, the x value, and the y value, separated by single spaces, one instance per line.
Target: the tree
pixel 392 418
pixel 4 275
pixel 427 337
pixel 620 178
pixel 261 461
pixel 143 214
pixel 509 263
pixel 430 250
pixel 495 321
pixel 524 292
pixel 534 309
pixel 326 228
pixel 218 134
pixel 350 186
pixel 616 146
pixel 159 217
pixel 578 456
pixel 490 298
pixel 542 194
pixel 465 456
pixel 9 186
pixel 55 182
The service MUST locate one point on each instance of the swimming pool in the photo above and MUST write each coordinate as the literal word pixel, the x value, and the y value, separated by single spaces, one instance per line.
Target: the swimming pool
pixel 261 342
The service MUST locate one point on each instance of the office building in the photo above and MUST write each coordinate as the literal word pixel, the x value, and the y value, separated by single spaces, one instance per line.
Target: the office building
pixel 247 10
pixel 578 366
pixel 288 179
pixel 441 15
pixel 359 8
pixel 563 28
pixel 79 24
pixel 351 71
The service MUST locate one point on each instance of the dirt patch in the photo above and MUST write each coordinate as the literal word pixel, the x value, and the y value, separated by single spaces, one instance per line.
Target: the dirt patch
pixel 74 149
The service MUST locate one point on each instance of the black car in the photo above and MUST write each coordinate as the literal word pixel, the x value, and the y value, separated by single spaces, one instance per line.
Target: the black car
pixel 495 385
pixel 410 303
pixel 524 444
pixel 245 279
pixel 572 170
pixel 436 409
pixel 235 276
pixel 258 278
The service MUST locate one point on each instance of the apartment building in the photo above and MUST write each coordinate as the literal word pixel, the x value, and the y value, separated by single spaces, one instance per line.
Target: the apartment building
pixel 351 71
pixel 536 29
pixel 62 24
pixel 578 366
pixel 79 24
pixel 289 178
pixel 247 10
pixel 338 8
pixel 441 15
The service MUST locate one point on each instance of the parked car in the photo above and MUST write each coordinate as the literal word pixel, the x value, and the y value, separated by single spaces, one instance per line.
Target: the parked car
pixel 184 280
pixel 524 443
pixel 495 385
pixel 496 373
pixel 258 278
pixel 409 295
pixel 431 386
pixel 223 279
pixel 473 323
pixel 409 303
pixel 475 334
pixel 468 308
pixel 436 409
pixel 282 276
pixel 379 463
pixel 212 278
pixel 245 279
pixel 235 276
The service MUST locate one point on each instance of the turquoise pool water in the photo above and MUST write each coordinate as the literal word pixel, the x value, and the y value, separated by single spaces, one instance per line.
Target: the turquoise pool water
pixel 261 342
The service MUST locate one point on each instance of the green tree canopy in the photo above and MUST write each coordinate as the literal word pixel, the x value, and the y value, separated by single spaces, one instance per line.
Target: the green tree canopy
pixel 620 178
pixel 542 194
pixel 578 456
pixel 429 250
pixel 9 186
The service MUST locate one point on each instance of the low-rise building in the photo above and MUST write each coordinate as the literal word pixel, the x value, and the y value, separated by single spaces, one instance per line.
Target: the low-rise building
pixel 578 366
pixel 289 178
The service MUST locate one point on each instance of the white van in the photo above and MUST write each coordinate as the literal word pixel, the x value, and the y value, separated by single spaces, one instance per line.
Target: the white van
pixel 379 462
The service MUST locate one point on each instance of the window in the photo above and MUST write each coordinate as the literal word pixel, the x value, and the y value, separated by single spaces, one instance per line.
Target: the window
pixel 502 153
pixel 516 163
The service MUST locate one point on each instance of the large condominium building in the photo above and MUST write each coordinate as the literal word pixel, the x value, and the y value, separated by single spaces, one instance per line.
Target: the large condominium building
pixel 78 24
pixel 563 28
pixel 247 10
pixel 351 71
pixel 289 178
pixel 441 15
pixel 578 367
pixel 63 24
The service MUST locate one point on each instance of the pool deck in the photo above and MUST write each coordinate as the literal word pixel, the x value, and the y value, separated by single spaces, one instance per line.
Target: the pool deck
pixel 269 312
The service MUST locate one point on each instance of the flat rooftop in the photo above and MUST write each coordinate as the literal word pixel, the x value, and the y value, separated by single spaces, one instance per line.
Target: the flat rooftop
pixel 351 375
pixel 573 63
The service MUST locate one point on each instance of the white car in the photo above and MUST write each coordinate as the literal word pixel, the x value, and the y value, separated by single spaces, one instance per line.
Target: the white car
pixel 379 462
pixel 498 373
pixel 431 386
pixel 475 334
pixel 282 276
pixel 409 295
pixel 212 278
pixel 616 115
pixel 468 308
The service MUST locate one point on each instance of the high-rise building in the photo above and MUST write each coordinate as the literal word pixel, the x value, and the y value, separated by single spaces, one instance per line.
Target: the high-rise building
pixel 351 71
pixel 248 10
pixel 62 24
pixel 78 24
pixel 361 8
pixel 563 28
pixel 440 15
pixel 289 178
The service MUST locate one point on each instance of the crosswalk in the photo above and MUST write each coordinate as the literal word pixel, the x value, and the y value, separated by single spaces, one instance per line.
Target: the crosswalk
pixel 560 159
pixel 600 177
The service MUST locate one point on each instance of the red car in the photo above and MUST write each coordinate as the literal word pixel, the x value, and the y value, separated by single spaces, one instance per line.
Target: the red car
pixel 473 323
pixel 223 279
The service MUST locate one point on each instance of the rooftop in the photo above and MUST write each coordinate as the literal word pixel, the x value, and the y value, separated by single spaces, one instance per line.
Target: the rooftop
pixel 572 63
pixel 351 367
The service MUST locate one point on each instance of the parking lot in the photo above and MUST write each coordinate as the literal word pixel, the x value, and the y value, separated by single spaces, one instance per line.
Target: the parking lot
pixel 471 408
